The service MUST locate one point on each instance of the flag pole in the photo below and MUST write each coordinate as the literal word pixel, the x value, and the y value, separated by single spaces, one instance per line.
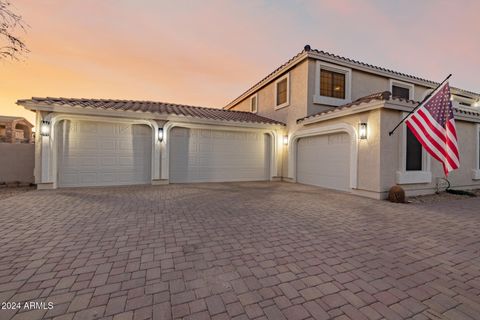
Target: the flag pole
pixel 413 110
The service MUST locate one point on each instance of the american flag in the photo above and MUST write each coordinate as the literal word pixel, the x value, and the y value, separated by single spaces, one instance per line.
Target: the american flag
pixel 434 126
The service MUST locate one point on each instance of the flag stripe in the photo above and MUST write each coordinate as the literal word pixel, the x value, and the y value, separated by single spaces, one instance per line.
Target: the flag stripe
pixel 425 144
pixel 434 145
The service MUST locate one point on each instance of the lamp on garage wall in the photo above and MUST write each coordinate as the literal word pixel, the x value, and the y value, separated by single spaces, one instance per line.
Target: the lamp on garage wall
pixel 45 128
pixel 285 140
pixel 362 131
pixel 160 134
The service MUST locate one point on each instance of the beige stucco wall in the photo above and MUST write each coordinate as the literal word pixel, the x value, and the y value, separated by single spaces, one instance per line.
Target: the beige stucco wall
pixel 390 157
pixel 298 97
pixel 17 162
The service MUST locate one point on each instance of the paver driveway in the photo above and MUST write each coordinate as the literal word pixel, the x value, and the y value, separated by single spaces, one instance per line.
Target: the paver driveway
pixel 243 251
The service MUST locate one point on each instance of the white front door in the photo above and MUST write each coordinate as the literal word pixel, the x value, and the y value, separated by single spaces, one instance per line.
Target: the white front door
pixel 324 161
pixel 103 154
pixel 203 155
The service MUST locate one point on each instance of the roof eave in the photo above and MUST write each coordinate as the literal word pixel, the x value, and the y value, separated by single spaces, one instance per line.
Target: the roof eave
pixel 71 109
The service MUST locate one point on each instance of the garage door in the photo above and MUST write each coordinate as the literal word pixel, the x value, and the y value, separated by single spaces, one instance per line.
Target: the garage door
pixel 103 154
pixel 200 155
pixel 324 161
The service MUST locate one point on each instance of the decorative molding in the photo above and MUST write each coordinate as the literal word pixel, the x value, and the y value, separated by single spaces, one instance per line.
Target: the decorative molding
pixel 323 130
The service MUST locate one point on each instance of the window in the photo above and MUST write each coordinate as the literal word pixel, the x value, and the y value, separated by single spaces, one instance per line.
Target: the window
pixel 282 94
pixel 414 161
pixel 254 103
pixel 332 84
pixel 402 90
pixel 414 153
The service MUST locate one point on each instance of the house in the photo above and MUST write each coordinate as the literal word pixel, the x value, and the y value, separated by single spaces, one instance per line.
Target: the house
pixel 15 130
pixel 318 119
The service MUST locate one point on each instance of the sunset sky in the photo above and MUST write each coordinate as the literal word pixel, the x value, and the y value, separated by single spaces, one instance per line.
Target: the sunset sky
pixel 208 52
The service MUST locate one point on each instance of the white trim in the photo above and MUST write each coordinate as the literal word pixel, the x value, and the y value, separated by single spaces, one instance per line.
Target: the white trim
pixel 50 147
pixel 254 96
pixel 319 99
pixel 476 170
pixel 165 145
pixel 287 103
pixel 322 130
pixel 406 85
pixel 410 177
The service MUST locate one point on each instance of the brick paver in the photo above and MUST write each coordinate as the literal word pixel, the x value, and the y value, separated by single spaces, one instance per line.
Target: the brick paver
pixel 236 250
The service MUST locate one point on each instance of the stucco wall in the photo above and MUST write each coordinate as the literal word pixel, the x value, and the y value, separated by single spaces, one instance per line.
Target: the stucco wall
pixel 390 157
pixel 17 162
pixel 298 98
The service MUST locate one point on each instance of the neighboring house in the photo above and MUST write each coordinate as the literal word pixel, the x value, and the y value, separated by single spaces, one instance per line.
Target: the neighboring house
pixel 15 130
pixel 301 124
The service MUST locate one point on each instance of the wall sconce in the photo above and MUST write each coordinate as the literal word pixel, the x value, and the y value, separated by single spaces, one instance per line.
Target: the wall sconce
pixel 362 131
pixel 45 128
pixel 285 140
pixel 160 134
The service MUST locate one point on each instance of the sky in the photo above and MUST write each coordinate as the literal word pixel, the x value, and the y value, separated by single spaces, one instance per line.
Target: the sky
pixel 209 52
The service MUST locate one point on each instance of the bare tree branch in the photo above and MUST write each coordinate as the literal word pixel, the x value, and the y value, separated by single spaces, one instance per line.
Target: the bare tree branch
pixel 11 46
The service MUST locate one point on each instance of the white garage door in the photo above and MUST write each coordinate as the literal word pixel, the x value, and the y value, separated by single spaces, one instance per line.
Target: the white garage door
pixel 324 161
pixel 200 155
pixel 103 154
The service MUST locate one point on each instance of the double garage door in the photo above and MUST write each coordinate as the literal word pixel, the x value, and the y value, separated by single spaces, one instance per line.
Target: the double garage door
pixel 324 161
pixel 105 154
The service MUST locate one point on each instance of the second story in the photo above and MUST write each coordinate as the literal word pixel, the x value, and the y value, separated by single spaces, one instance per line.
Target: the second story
pixel 315 81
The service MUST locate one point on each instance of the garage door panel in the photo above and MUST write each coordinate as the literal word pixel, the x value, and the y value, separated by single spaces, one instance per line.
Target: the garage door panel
pixel 200 155
pixel 324 161
pixel 102 154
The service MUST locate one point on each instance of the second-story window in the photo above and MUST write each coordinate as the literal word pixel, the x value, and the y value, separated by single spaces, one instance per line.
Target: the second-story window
pixel 254 103
pixel 282 95
pixel 332 84
pixel 400 92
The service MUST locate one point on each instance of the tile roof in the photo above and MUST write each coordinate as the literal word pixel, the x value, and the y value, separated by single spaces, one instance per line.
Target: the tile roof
pixel 381 96
pixel 152 107
pixel 318 54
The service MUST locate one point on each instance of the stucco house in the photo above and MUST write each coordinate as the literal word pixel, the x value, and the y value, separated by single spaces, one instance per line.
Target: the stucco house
pixel 15 130
pixel 318 119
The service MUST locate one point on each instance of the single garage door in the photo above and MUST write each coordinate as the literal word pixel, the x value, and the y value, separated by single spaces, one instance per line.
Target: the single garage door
pixel 103 154
pixel 201 155
pixel 324 161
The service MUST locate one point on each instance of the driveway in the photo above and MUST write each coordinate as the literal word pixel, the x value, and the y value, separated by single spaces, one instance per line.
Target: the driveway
pixel 236 250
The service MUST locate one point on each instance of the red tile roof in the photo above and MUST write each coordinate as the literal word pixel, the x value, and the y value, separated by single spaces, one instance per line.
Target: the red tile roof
pixel 381 96
pixel 151 107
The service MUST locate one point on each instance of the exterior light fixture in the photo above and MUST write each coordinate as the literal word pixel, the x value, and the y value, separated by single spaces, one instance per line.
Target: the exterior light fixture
pixel 45 128
pixel 160 134
pixel 285 140
pixel 362 131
